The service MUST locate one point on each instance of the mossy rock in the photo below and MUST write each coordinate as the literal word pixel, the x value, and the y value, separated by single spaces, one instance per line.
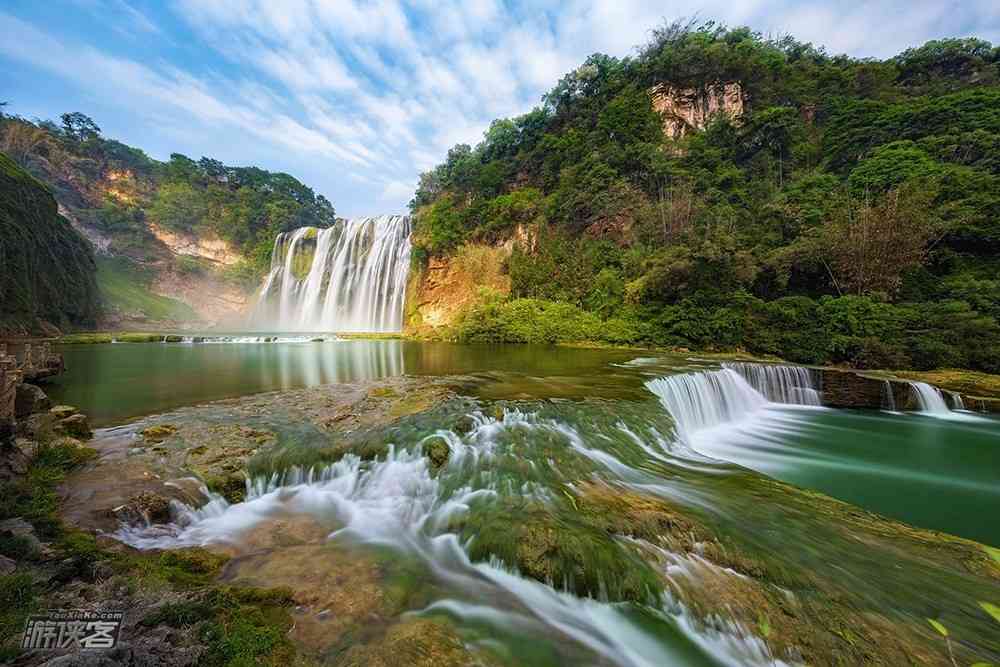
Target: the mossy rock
pixel 437 451
pixel 63 411
pixel 560 547
pixel 158 433
pixel 411 643
pixel 232 487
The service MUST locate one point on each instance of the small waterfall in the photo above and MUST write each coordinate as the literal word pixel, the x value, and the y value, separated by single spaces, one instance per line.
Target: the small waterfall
pixel 888 401
pixel 350 277
pixel 929 399
pixel 703 400
pixel 781 384
pixel 956 400
pixel 697 401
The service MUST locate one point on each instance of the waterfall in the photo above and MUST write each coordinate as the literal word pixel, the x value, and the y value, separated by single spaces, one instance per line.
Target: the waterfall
pixel 350 277
pixel 781 384
pixel 929 399
pixel 703 400
pixel 956 400
pixel 888 400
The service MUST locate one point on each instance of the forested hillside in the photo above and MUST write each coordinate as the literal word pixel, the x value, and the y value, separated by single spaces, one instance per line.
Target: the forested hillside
pixel 725 190
pixel 176 226
pixel 48 273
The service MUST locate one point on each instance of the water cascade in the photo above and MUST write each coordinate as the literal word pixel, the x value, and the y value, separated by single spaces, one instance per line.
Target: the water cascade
pixel 781 384
pixel 956 400
pixel 929 399
pixel 349 277
pixel 707 399
pixel 888 400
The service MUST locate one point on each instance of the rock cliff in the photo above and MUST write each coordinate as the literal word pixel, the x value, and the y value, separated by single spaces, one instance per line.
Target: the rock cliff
pixel 686 110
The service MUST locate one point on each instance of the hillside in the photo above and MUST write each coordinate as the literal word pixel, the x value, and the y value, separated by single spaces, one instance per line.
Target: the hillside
pixel 48 275
pixel 725 190
pixel 177 242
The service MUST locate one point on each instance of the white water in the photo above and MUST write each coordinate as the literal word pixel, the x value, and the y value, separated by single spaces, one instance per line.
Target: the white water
pixel 931 403
pixel 707 400
pixel 397 502
pixel 781 384
pixel 355 280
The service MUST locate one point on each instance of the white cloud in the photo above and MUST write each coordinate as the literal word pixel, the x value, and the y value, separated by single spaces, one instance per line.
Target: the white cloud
pixel 356 97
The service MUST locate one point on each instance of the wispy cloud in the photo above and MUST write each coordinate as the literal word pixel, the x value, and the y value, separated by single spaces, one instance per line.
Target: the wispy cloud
pixel 356 97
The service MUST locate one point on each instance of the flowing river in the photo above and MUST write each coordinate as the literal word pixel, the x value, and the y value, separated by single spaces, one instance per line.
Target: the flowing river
pixel 595 506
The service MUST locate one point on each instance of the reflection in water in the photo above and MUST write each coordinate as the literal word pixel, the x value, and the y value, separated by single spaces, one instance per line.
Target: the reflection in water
pixel 112 383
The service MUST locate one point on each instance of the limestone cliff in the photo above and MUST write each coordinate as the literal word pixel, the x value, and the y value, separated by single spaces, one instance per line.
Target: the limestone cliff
pixel 440 290
pixel 47 270
pixel 686 110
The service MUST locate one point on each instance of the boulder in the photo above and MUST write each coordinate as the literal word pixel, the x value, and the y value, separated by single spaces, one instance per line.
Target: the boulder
pixel 29 400
pixel 76 426
pixel 19 529
pixel 63 411
pixel 7 565
pixel 144 507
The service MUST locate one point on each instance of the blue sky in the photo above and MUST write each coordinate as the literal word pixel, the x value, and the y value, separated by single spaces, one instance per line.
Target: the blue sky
pixel 356 98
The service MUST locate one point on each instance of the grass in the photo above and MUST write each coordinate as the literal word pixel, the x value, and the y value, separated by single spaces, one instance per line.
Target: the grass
pixel 125 286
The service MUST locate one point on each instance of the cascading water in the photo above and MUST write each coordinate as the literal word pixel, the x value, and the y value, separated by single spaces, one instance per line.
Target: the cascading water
pixel 929 399
pixel 708 399
pixel 781 384
pixel 350 277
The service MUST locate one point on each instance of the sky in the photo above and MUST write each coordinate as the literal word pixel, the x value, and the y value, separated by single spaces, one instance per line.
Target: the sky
pixel 356 98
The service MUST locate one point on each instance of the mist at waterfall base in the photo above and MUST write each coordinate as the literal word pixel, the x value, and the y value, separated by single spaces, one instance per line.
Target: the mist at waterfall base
pixel 350 277
pixel 935 468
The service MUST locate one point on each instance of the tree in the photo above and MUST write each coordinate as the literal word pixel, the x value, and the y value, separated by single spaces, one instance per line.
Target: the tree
pixel 867 246
pixel 79 127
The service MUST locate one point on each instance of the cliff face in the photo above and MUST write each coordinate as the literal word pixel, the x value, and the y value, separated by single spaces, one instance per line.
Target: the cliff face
pixel 47 269
pixel 686 110
pixel 439 291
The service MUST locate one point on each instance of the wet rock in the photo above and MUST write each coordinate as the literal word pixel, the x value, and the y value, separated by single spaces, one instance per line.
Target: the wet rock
pixel 63 411
pixel 29 400
pixel 231 486
pixel 158 433
pixel 76 426
pixel 145 507
pixel 173 338
pixel 437 450
pixel 7 565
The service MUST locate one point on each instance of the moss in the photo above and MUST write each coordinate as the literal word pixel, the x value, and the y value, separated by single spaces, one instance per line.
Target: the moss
pixel 232 487
pixel 437 451
pixel 158 433
pixel 558 546
pixel 126 287
pixel 382 392
pixel 416 643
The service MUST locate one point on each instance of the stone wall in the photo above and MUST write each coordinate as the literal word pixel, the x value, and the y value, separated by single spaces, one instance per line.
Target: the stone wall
pixel 851 389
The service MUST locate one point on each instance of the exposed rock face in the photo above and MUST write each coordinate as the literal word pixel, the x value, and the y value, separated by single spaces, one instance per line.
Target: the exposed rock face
pixel 446 286
pixel 204 247
pixel 686 110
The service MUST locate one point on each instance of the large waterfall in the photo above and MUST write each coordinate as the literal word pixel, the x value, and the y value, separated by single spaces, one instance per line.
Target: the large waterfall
pixel 350 277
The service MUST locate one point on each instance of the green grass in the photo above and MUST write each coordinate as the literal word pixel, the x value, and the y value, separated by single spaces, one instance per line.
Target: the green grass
pixel 125 286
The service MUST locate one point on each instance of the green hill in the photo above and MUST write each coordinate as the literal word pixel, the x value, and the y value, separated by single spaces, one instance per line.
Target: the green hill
pixel 725 190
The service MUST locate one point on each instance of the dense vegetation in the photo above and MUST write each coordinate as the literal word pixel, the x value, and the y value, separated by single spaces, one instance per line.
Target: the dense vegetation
pixel 118 190
pixel 850 213
pixel 48 270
